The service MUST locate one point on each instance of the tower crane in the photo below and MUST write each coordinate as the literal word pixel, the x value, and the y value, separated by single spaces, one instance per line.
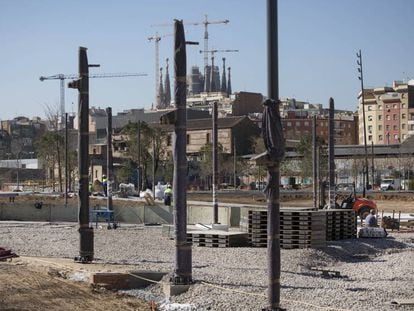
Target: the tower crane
pixel 157 38
pixel 62 77
pixel 205 23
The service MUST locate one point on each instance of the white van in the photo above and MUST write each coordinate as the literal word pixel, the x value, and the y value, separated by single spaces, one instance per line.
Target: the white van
pixel 390 184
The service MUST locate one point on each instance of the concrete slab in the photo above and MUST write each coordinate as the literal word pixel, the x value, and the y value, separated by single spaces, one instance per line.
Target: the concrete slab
pixel 403 302
pixel 127 280
pixel 170 289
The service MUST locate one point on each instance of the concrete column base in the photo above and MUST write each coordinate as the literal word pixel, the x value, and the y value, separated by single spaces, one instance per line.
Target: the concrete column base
pixel 170 289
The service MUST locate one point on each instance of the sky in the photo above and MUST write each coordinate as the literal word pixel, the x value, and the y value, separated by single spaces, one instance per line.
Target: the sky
pixel 318 41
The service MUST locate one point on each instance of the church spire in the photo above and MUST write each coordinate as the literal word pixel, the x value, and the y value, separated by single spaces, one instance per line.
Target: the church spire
pixel 167 88
pixel 229 83
pixel 212 80
pixel 223 77
pixel 161 95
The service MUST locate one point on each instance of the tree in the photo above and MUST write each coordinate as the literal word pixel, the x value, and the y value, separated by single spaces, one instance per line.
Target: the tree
pixel 304 148
pixel 47 153
pixel 54 138
pixel 153 148
pixel 206 163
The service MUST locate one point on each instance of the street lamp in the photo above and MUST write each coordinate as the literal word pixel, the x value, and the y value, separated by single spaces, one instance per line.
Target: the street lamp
pixel 361 78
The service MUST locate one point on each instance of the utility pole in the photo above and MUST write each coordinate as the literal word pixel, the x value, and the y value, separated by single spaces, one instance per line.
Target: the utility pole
pixel 66 159
pixel 82 84
pixel 153 165
pixel 361 78
pixel 109 159
pixel 273 138
pixel 234 163
pixel 372 163
pixel 139 181
pixel 18 171
pixel 183 255
pixel 315 163
pixel 331 153
pixel 215 163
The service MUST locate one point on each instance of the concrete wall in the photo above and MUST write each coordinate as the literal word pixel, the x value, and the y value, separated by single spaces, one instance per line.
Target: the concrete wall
pixel 229 215
pixel 54 213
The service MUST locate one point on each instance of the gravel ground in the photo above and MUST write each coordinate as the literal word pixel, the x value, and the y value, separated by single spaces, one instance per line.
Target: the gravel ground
pixel 381 271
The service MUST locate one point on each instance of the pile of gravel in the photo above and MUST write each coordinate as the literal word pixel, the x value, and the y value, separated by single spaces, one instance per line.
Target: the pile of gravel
pixel 373 272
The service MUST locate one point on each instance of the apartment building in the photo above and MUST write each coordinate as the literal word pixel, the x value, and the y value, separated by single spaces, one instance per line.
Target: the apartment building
pixel 389 113
pixel 346 127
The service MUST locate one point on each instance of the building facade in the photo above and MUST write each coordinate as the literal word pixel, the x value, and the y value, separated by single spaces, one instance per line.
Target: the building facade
pixel 389 113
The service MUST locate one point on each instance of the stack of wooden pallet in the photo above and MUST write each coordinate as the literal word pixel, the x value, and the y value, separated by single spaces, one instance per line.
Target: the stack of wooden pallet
pixel 215 238
pixel 298 229
pixel 340 224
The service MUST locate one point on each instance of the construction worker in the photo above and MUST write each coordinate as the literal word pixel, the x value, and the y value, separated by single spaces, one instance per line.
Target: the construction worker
pixel 371 219
pixel 168 193
pixel 105 185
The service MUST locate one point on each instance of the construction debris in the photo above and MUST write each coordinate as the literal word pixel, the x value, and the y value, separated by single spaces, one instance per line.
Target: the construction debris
pixel 6 254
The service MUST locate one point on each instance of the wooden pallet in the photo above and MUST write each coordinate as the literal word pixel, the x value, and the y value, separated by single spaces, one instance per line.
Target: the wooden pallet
pixel 218 239
pixel 298 229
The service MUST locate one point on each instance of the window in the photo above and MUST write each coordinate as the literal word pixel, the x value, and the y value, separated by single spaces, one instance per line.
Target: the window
pixel 369 137
pixel 394 106
pixel 169 140
pixel 403 126
pixel 369 108
pixel 380 117
pixel 380 137
pixel 403 106
pixel 370 118
pixel 379 127
pixel 379 107
pixel 370 128
pixel 297 123
pixel 388 117
pixel 306 123
pixel 404 137
pixel 395 117
pixel 188 139
pixel 207 137
pixel 403 116
pixel 387 127
pixel 396 136
pixel 395 127
pixel 289 124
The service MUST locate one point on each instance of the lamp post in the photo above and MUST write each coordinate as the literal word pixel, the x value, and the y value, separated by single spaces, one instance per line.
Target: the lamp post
pixel 361 78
